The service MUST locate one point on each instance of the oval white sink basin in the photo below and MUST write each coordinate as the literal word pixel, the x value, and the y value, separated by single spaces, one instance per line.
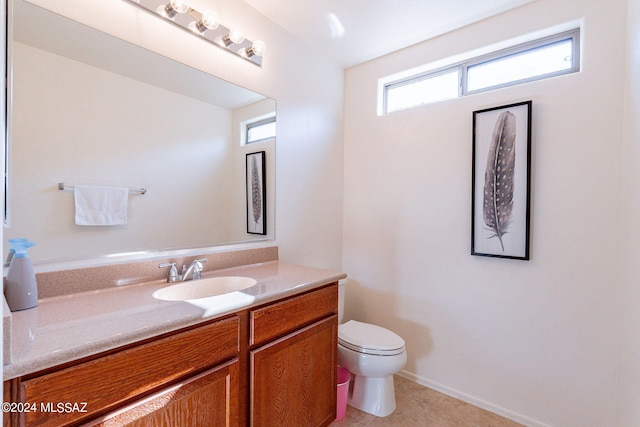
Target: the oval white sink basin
pixel 204 288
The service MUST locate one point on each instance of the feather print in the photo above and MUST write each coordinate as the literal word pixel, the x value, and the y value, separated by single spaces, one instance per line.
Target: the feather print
pixel 499 175
pixel 256 198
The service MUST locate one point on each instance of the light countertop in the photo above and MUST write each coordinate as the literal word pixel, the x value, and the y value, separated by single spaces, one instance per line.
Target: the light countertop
pixel 64 328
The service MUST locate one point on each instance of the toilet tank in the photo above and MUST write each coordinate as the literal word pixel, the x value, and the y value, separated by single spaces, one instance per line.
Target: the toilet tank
pixel 342 284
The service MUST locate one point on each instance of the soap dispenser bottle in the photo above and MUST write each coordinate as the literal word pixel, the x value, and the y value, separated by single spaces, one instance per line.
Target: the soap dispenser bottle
pixel 22 290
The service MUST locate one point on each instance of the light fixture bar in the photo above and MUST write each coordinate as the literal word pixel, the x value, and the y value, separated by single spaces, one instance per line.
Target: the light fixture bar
pixel 205 26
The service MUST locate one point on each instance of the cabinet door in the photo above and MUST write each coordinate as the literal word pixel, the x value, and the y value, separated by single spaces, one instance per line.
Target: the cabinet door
pixel 293 379
pixel 206 400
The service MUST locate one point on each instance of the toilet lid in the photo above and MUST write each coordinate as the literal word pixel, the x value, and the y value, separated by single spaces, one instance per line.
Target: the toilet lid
pixel 370 339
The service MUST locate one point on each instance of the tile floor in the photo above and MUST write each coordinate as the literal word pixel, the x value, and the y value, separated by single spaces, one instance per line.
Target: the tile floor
pixel 418 406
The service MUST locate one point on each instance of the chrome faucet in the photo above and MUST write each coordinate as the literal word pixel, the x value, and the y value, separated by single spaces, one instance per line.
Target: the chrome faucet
pixel 193 272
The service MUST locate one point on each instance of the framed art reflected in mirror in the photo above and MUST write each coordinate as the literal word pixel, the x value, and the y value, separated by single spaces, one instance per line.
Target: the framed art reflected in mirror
pixel 256 193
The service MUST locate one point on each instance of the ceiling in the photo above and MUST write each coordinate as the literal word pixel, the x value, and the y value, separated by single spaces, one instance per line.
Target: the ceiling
pixel 355 31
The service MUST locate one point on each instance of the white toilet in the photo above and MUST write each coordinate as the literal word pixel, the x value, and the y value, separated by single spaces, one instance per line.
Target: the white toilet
pixel 372 354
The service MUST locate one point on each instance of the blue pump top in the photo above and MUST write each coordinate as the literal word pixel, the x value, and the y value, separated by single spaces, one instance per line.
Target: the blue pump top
pixel 19 246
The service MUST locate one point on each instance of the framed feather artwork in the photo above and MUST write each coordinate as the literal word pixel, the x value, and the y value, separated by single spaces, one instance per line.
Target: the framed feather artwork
pixel 500 188
pixel 256 193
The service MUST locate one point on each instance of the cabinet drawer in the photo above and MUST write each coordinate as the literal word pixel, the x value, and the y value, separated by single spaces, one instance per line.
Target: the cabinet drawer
pixel 111 380
pixel 282 317
pixel 208 399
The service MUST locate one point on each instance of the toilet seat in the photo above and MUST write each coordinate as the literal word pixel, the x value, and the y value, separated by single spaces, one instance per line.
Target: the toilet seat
pixel 369 339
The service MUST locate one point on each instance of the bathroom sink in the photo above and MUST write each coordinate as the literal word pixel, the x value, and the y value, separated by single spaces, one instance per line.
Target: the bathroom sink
pixel 204 288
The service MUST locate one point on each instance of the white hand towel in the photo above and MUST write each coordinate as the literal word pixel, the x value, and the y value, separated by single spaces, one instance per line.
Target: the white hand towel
pixel 101 205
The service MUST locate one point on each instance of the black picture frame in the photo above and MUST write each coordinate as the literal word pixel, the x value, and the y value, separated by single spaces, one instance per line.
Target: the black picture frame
pixel 256 193
pixel 501 181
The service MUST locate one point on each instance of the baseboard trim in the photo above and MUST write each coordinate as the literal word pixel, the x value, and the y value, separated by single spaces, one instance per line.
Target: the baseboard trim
pixel 513 416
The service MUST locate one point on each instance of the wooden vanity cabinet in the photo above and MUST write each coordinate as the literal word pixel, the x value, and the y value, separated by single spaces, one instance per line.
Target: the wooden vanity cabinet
pixel 293 361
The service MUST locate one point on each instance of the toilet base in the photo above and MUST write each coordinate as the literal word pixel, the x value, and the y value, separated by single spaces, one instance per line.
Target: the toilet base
pixel 375 396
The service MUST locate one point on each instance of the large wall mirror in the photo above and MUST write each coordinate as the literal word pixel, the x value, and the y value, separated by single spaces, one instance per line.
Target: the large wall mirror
pixel 90 109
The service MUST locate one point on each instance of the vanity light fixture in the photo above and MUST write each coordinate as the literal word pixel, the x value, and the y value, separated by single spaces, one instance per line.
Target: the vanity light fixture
pixel 205 25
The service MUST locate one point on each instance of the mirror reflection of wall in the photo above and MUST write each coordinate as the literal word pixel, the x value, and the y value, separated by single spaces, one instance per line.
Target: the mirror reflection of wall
pixel 241 116
pixel 76 122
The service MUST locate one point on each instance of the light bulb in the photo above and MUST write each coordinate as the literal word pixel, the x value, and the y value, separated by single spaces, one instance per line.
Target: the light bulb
pixel 257 49
pixel 179 6
pixel 209 21
pixel 236 36
pixel 174 7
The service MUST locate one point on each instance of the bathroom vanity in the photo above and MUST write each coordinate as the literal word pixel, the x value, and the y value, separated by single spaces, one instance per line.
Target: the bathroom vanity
pixel 270 362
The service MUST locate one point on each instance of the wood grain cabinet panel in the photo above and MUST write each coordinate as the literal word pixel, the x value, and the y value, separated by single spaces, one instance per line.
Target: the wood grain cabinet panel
pixel 293 379
pixel 283 317
pixel 102 384
pixel 9 419
pixel 206 400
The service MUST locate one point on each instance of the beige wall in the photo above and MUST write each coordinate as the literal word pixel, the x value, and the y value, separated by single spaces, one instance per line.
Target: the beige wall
pixel 534 340
pixel 628 408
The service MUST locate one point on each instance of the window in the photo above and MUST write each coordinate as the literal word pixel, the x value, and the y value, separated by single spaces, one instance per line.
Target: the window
pixel 423 89
pixel 540 59
pixel 260 130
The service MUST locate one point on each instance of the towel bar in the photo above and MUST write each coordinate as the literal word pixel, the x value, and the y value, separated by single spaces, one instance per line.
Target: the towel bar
pixel 61 186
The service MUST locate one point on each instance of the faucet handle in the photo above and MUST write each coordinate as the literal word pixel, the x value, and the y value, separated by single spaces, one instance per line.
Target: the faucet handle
pixel 173 271
pixel 200 261
pixel 198 267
